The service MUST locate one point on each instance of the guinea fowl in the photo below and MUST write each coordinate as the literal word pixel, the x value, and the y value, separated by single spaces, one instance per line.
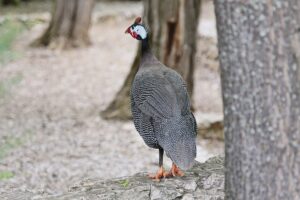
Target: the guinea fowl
pixel 161 109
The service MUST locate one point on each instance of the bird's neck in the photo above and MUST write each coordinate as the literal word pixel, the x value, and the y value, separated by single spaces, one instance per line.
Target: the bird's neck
pixel 147 54
pixel 145 46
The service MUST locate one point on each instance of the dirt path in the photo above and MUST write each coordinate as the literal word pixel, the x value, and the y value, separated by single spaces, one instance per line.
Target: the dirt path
pixel 51 133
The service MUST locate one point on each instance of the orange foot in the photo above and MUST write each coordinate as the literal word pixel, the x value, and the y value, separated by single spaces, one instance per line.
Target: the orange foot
pixel 175 171
pixel 159 175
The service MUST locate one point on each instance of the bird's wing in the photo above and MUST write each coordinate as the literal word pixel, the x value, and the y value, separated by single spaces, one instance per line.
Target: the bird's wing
pixel 144 125
pixel 155 96
pixel 193 120
pixel 181 90
pixel 159 100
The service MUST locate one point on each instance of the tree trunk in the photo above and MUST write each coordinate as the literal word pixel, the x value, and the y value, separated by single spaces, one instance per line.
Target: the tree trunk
pixel 173 31
pixel 69 25
pixel 259 51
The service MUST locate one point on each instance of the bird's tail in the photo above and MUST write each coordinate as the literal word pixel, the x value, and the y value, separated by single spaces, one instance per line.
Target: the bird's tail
pixel 178 139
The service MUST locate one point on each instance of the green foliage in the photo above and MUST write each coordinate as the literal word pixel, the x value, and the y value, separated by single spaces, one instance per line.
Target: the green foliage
pixel 10 2
pixel 4 175
pixel 27 7
pixel 124 183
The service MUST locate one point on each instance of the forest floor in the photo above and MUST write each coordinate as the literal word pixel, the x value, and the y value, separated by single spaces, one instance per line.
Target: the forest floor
pixel 51 133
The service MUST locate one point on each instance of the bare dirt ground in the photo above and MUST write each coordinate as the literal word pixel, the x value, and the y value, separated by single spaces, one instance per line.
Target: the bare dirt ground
pixel 52 135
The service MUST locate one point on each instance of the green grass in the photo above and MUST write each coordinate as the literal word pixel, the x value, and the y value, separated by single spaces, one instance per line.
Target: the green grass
pixel 12 142
pixel 4 175
pixel 9 144
pixel 6 85
pixel 124 183
pixel 9 30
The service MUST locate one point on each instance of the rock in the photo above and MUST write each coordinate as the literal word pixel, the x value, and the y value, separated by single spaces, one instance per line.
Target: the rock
pixel 203 181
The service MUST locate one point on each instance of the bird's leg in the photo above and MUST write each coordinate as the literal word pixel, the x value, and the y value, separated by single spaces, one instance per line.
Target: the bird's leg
pixel 161 172
pixel 175 171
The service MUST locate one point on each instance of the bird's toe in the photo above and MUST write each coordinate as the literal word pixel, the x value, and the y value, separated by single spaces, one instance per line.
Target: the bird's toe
pixel 175 171
pixel 159 175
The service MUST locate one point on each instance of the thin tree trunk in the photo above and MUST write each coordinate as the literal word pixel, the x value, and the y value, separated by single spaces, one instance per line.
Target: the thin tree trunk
pixel 173 31
pixel 259 51
pixel 69 25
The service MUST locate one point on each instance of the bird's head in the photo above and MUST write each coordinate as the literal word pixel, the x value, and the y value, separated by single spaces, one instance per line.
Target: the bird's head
pixel 137 30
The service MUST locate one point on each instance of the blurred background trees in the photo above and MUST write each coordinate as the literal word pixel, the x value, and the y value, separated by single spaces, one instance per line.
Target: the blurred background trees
pixel 259 51
pixel 173 30
pixel 69 25
pixel 11 2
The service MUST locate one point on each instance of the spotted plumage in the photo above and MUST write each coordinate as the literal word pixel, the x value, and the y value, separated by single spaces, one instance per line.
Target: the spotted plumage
pixel 161 108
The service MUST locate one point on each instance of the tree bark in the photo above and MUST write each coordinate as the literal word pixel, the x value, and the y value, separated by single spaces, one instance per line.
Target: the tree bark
pixel 173 30
pixel 69 25
pixel 259 52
